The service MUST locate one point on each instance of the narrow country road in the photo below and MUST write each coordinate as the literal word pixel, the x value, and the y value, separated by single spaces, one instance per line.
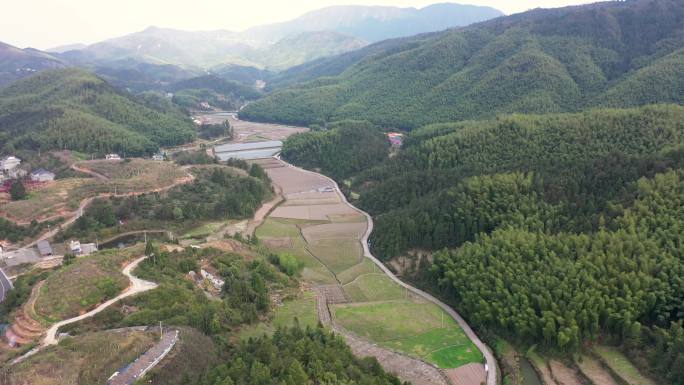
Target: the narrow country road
pixel 137 286
pixel 5 285
pixel 88 171
pixel 488 355
pixel 87 201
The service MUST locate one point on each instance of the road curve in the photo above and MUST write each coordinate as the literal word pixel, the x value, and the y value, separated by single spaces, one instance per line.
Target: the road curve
pixel 137 286
pixel 492 371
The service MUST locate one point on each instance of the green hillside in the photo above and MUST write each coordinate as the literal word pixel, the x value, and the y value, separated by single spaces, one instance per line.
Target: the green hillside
pixel 76 110
pixel 616 54
pixel 216 91
pixel 554 230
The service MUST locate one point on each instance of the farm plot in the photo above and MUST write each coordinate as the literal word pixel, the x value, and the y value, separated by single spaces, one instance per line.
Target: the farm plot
pixel 433 336
pixel 284 236
pixel 621 366
pixel 374 287
pixel 312 212
pixel 302 308
pixel 594 371
pixel 365 267
pixel 337 254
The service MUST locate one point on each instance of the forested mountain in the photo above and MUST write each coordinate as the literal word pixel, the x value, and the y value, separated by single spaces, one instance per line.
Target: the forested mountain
pixel 375 23
pixel 137 76
pixel 216 91
pixel 76 110
pixel 306 46
pixel 559 229
pixel 616 54
pixel 16 63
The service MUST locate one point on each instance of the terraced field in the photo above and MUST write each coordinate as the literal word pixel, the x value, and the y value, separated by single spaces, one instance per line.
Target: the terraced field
pixel 62 197
pixel 315 225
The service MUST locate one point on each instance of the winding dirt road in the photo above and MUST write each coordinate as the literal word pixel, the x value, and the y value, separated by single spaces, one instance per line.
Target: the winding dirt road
pixel 137 286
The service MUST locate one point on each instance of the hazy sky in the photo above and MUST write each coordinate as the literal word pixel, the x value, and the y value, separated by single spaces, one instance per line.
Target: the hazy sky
pixel 48 23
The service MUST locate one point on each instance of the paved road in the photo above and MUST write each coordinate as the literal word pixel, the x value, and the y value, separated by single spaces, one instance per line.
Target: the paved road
pixel 137 286
pixel 489 356
pixel 5 285
pixel 147 361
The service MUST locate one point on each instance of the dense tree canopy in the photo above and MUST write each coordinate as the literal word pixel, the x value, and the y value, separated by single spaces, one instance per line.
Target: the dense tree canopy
pixel 73 109
pixel 296 356
pixel 344 149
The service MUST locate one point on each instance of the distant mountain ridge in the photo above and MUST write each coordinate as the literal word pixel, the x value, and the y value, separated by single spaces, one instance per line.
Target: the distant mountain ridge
pixel 16 63
pixel 320 33
pixel 614 54
pixel 375 23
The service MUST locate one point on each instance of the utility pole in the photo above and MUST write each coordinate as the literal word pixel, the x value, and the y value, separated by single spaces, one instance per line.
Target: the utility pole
pixel 161 331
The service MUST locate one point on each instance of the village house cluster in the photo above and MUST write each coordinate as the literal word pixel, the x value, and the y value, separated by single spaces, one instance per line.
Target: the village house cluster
pixel 11 169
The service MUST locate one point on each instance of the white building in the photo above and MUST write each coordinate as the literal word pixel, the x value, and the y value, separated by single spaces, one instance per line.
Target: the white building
pixel 42 175
pixel 9 163
pixel 112 157
pixel 158 157
pixel 75 247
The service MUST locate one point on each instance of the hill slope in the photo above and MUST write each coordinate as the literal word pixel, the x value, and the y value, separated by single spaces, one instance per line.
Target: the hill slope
pixel 16 63
pixel 540 61
pixel 76 110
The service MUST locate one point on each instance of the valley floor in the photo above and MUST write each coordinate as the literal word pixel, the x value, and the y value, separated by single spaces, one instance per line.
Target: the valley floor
pixel 403 328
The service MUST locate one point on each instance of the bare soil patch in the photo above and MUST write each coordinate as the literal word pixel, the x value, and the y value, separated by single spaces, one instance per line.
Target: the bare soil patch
pixel 593 369
pixel 278 243
pixel 354 230
pixel 563 374
pixel 293 181
pixel 470 374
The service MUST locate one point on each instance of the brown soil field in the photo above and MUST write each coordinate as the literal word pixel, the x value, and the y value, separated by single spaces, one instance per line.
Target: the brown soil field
pixel 353 230
pixel 250 131
pixel 470 374
pixel 564 374
pixel 278 243
pixel 294 181
pixel 312 212
pixel 593 369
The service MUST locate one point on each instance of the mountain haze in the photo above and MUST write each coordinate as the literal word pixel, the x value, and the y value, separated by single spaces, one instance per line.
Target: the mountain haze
pixel 611 53
pixel 325 32
pixel 375 23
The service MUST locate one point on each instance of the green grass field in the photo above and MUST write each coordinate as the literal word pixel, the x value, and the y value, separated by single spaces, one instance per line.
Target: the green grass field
pixel 303 308
pixel 203 231
pixel 314 271
pixel 365 267
pixel 433 336
pixel 338 254
pixel 374 287
pixel 617 362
